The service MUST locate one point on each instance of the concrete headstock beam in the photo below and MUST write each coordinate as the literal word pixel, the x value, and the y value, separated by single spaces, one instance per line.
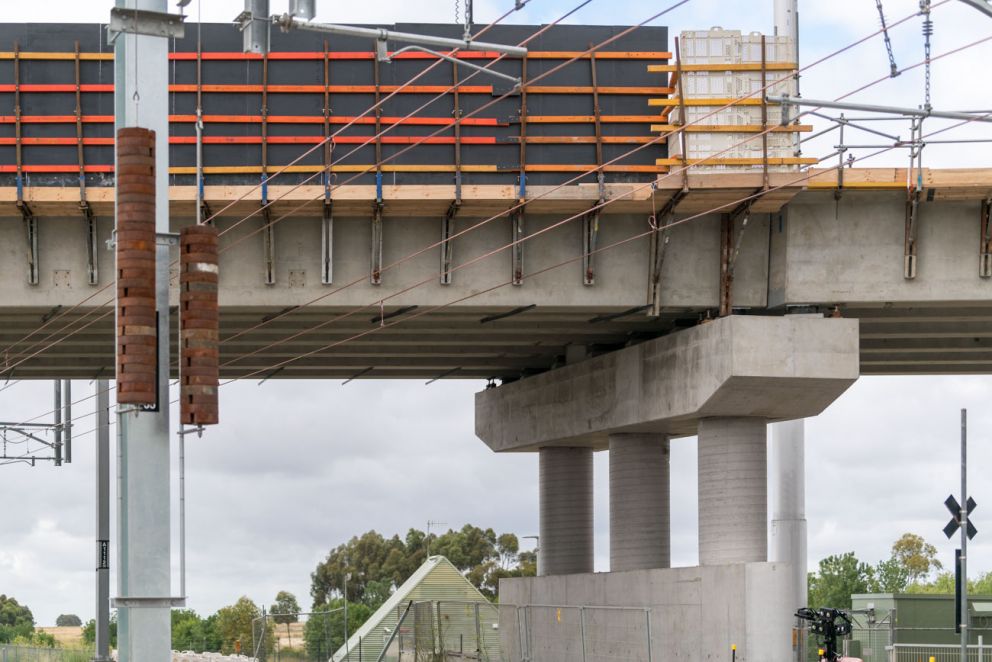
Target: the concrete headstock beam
pixel 776 368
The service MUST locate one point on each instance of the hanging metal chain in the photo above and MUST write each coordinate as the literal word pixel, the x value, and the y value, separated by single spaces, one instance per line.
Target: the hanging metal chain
pixel 927 33
pixel 893 69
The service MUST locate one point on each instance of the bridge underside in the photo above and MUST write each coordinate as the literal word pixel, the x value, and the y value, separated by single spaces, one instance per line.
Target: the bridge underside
pixel 805 248
pixel 463 343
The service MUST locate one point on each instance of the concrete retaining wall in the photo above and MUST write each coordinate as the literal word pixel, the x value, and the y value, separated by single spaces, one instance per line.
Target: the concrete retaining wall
pixel 696 614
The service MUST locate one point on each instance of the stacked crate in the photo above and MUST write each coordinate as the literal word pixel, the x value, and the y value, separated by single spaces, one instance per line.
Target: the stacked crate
pixel 724 149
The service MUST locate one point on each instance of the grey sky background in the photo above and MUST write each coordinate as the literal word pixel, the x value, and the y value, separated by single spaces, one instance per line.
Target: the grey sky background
pixel 297 468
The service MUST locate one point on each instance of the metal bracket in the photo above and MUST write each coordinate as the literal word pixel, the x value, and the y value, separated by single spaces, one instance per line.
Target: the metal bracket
pixel 375 273
pixel 31 227
pixel 92 269
pixel 659 246
pixel 590 237
pixel 132 602
pixel 161 239
pixel 327 243
pixel 517 233
pixel 268 245
pixel 447 247
pixel 730 248
pixel 985 250
pixel 909 242
pixel 385 57
pixel 142 21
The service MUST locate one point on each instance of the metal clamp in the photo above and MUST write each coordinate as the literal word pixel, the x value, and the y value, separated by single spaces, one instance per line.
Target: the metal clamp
pixel 142 21
pixel 161 239
pixel 132 602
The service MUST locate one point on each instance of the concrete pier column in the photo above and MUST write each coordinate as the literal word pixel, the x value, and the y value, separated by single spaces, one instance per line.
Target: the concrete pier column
pixel 787 485
pixel 639 502
pixel 733 490
pixel 566 527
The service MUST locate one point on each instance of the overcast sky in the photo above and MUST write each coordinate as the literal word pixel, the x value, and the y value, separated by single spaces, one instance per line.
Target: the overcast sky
pixel 299 467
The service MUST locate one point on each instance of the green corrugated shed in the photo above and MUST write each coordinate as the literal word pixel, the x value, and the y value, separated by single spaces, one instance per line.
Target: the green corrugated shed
pixel 926 618
pixel 437 581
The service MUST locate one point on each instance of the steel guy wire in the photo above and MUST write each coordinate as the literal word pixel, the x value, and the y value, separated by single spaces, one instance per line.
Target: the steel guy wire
pixel 280 171
pixel 798 180
pixel 379 302
pixel 475 226
pixel 711 156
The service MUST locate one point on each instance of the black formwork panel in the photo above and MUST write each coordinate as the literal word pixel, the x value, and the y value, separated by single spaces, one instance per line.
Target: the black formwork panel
pixel 493 147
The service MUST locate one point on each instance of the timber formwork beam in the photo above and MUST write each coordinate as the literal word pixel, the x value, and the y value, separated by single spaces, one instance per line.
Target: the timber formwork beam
pixel 721 192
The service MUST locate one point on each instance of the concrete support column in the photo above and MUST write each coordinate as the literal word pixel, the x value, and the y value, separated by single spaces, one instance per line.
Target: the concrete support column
pixel 639 502
pixel 566 543
pixel 787 484
pixel 733 490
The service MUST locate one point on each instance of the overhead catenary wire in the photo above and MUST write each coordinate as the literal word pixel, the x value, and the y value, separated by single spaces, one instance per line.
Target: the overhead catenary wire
pixel 859 89
pixel 572 260
pixel 9 367
pixel 280 170
pixel 806 67
pixel 549 192
pixel 368 141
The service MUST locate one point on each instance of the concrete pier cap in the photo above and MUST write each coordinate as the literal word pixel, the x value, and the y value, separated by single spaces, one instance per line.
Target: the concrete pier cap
pixel 775 368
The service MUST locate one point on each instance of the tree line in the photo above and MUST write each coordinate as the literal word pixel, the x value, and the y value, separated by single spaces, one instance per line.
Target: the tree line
pixel 912 567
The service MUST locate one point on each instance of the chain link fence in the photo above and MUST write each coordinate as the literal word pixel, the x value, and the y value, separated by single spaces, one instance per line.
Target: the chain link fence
pixel 553 633
pixel 937 653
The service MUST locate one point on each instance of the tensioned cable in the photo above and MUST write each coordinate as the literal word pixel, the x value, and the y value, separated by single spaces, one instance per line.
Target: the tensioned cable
pixel 378 302
pixel 663 136
pixel 282 169
pixel 381 301
pixel 803 177
pixel 711 156
pixel 420 142
pixel 458 121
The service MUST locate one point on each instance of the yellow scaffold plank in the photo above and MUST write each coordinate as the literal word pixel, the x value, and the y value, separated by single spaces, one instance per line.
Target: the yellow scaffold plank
pixel 725 101
pixel 733 128
pixel 722 66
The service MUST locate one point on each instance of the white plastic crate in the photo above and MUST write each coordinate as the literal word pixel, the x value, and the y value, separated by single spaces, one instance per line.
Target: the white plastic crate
pixel 717 45
pixel 777 48
pixel 734 115
pixel 731 145
pixel 710 46
pixel 734 84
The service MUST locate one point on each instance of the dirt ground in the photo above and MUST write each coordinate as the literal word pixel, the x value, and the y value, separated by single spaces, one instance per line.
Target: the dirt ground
pixel 66 635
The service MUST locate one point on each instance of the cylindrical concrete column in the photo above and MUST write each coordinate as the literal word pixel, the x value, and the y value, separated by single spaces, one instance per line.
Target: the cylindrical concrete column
pixel 733 490
pixel 566 543
pixel 787 486
pixel 639 502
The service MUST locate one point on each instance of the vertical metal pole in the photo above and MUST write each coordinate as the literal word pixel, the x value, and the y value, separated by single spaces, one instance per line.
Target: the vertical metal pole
pixel 582 630
pixel 346 654
pixel 964 535
pixel 67 418
pixel 440 634
pixel 58 422
pixel 102 652
pixel 182 514
pixel 141 99
pixel 647 617
pixel 478 632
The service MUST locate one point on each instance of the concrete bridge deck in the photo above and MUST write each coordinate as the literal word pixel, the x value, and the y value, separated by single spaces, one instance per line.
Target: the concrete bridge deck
pixel 823 251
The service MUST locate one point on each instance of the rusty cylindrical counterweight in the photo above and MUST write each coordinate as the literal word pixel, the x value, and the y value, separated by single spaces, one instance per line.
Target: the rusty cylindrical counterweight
pixel 137 322
pixel 199 325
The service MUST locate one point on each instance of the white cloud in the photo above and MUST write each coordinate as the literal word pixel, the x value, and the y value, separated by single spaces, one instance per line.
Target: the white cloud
pixel 299 467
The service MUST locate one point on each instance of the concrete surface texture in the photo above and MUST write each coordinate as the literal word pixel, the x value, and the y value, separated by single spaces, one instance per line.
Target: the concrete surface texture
pixel 773 368
pixel 695 614
pixel 639 502
pixel 733 490
pixel 820 253
pixel 566 511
